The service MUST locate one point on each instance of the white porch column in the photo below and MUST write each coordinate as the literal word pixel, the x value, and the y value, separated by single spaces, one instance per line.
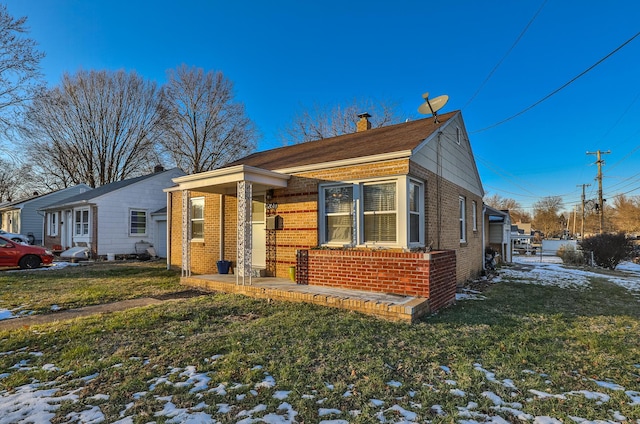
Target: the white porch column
pixel 245 197
pixel 186 244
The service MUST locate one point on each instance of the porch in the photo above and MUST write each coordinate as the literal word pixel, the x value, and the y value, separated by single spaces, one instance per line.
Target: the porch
pixel 387 306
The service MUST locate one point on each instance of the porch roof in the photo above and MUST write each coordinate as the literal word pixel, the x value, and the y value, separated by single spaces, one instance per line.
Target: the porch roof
pixel 224 180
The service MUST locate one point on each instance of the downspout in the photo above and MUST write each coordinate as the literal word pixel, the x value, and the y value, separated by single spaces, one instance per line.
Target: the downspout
pixel 484 211
pixel 439 188
pixel 44 216
pixel 221 219
pixel 168 236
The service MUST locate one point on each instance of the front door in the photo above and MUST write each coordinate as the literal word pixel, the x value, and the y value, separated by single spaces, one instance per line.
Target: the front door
pixel 66 230
pixel 258 233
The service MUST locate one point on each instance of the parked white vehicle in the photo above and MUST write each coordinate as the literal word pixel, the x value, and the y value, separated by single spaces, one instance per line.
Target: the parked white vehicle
pixel 15 237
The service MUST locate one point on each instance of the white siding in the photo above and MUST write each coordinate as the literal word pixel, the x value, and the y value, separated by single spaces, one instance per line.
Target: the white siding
pixel 457 163
pixel 32 220
pixel 113 212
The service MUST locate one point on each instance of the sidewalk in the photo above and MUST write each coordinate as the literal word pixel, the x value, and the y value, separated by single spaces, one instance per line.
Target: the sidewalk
pixel 27 321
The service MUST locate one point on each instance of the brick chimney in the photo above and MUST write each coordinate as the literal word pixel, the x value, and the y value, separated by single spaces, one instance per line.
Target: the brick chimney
pixel 364 123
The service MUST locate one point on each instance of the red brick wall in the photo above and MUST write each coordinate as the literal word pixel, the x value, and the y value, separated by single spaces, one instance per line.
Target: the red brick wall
pixel 442 279
pixel 430 275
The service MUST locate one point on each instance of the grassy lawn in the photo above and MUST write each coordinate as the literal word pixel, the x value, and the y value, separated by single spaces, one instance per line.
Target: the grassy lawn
pixel 83 285
pixel 526 349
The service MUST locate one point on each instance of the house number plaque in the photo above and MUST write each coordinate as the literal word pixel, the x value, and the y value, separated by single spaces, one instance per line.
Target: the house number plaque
pixel 272 206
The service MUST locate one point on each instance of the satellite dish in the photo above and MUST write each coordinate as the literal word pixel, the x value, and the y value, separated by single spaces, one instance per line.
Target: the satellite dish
pixel 431 107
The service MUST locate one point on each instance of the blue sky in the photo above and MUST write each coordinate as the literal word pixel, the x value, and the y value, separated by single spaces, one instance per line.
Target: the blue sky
pixel 286 55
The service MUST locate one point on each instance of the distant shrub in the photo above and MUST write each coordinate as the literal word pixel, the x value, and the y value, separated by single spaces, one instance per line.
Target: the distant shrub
pixel 570 255
pixel 608 249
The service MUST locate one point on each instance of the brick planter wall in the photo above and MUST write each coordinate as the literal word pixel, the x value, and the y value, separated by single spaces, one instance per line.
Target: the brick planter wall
pixel 430 275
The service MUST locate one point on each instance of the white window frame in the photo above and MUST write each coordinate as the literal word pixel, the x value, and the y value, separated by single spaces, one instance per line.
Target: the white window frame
pixel 402 212
pixel 146 222
pixel 474 215
pixel 82 223
pixel 192 219
pixel 323 215
pixel 419 213
pixel 458 135
pixel 52 224
pixel 364 213
pixel 462 203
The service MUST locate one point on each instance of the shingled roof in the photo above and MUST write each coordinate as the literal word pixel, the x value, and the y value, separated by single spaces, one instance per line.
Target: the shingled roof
pixel 393 138
pixel 105 189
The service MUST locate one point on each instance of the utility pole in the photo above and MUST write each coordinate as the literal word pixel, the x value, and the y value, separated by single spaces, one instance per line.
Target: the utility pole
pixel 599 161
pixel 583 200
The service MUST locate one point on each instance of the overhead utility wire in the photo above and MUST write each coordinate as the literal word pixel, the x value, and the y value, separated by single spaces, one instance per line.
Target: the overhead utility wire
pixel 495 68
pixel 620 118
pixel 559 89
pixel 626 156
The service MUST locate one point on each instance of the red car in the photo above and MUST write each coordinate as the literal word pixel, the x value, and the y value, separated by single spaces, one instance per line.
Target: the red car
pixel 22 255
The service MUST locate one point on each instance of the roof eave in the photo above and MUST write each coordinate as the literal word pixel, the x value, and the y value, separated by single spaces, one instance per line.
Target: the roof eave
pixel 223 179
pixel 404 154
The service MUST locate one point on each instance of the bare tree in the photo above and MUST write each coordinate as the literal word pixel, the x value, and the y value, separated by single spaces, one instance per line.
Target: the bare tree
pixel 547 217
pixel 20 76
pixel 96 127
pixel 626 213
pixel 516 212
pixel 8 181
pixel 322 122
pixel 16 181
pixel 204 127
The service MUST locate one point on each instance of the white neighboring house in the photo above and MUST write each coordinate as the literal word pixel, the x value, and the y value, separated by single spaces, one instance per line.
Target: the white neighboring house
pixel 24 216
pixel 114 219
pixel 498 232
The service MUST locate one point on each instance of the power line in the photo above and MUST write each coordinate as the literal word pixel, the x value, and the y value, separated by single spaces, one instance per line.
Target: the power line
pixel 627 155
pixel 505 55
pixel 600 162
pixel 557 90
pixel 615 124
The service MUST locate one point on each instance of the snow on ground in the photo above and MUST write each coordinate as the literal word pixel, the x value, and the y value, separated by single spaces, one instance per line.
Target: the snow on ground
pixel 548 270
pixel 18 312
pixel 38 401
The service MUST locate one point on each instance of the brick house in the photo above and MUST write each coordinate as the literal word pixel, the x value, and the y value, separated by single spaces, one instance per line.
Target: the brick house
pixel 395 209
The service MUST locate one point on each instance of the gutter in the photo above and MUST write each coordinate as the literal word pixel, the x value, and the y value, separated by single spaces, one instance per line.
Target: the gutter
pixel 221 220
pixel 484 212
pixel 168 236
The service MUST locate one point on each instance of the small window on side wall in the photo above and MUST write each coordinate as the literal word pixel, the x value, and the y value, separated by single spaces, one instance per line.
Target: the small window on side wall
pixel 415 212
pixel 137 222
pixel 463 219
pixel 474 215
pixel 197 218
